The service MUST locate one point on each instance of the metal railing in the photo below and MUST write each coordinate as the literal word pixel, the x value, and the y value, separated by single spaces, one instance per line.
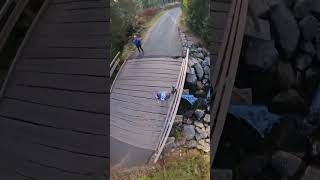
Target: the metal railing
pixel 173 108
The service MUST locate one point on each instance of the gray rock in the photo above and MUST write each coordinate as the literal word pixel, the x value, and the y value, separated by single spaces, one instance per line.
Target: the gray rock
pixel 199 113
pixel 178 119
pixel 204 81
pixel 192 61
pixel 199 85
pixel 201 134
pixel 206 76
pixel 286 28
pixel 189 132
pixel 286 75
pixel 206 70
pixel 208 130
pixel 199 55
pixel 206 118
pixel 199 71
pixel 285 163
pixel 191 78
pixel 309 27
pixel 302 8
pixel 191 144
pixel 170 144
pixel 207 140
pixel 262 31
pixel 287 102
pixel 206 62
pixel 181 141
pixel 190 43
pixel 303 61
pixel 205 147
pixel 308 47
pixel 311 173
pixel 198 124
pixel 261 54
pixel 189 121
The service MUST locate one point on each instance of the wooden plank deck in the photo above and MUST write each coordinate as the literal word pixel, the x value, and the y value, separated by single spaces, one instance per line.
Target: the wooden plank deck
pixel 54 111
pixel 138 120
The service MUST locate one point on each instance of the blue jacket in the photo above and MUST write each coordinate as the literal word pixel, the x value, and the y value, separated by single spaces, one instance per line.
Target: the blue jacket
pixel 137 41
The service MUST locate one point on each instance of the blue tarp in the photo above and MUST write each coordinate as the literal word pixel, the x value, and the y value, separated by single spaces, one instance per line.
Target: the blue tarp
pixel 257 116
pixel 190 98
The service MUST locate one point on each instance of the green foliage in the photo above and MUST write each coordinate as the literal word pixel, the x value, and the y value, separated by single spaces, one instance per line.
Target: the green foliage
pixel 123 14
pixel 197 16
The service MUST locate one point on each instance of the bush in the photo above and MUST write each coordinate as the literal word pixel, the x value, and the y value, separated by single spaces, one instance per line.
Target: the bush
pixel 150 12
pixel 197 16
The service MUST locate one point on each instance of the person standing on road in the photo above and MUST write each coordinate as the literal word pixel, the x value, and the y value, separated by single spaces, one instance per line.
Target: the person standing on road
pixel 137 42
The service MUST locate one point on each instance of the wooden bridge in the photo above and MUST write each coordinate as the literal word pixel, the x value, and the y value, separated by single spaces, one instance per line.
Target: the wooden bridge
pixel 53 106
pixel 139 124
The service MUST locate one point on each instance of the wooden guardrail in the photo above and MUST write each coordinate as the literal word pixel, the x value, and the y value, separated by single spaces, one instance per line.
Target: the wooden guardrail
pixel 173 108
pixel 10 22
pixel 225 69
pixel 114 63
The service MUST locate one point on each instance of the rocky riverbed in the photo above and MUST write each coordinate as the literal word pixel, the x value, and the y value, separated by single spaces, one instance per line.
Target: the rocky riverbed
pixel 191 127
pixel 280 64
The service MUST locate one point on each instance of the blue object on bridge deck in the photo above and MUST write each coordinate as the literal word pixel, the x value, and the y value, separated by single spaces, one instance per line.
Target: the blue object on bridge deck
pixel 190 98
pixel 257 116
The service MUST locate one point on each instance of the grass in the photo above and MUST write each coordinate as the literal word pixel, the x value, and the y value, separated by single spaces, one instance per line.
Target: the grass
pixel 191 168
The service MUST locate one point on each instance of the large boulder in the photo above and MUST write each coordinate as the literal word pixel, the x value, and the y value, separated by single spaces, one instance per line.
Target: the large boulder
pixel 206 62
pixel 191 77
pixel 199 71
pixel 286 75
pixel 189 132
pixel 285 163
pixel 288 101
pixel 260 54
pixel 286 29
pixel 309 27
pixel 206 70
pixel 303 61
